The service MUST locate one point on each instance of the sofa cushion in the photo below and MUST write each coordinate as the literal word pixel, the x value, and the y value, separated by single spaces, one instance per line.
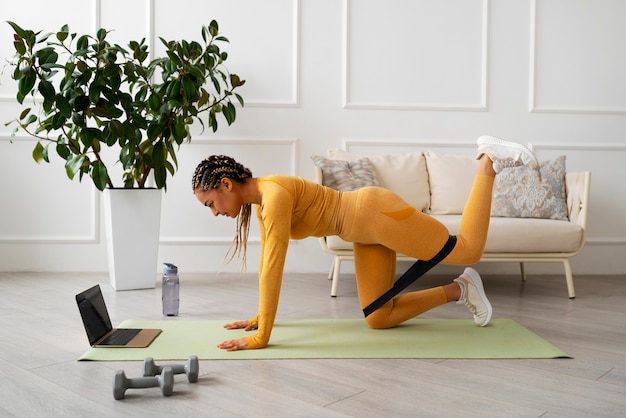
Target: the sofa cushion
pixel 523 192
pixel 510 235
pixel 525 235
pixel 405 174
pixel 346 175
pixel 451 178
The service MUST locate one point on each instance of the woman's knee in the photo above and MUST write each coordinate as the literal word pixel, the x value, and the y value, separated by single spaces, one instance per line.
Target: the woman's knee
pixel 378 320
pixel 464 253
pixel 473 257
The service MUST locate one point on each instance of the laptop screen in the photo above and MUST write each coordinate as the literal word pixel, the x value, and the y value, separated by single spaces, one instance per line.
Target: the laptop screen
pixel 94 313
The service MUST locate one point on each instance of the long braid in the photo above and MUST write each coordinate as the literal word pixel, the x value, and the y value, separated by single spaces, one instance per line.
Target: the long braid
pixel 208 175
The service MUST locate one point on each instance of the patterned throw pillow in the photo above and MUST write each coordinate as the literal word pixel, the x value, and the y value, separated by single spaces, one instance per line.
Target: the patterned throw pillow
pixel 523 192
pixel 346 175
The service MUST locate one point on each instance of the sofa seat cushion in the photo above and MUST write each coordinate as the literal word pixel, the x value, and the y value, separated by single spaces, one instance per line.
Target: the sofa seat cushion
pixel 511 235
pixel 525 235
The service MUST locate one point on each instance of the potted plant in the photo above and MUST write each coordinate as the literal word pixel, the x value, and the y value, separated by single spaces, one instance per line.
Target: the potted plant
pixel 90 95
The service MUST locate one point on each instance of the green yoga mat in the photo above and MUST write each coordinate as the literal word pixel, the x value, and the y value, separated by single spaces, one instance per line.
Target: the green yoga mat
pixel 339 339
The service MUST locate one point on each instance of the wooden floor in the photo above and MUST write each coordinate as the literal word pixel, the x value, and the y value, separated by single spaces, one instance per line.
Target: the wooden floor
pixel 42 336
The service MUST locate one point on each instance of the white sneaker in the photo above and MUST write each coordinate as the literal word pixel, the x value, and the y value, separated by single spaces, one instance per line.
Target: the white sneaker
pixel 473 296
pixel 505 154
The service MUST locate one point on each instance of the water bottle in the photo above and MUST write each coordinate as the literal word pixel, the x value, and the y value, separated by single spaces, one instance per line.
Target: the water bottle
pixel 170 290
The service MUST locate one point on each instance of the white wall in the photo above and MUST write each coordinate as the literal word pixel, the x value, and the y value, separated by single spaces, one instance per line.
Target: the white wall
pixel 393 76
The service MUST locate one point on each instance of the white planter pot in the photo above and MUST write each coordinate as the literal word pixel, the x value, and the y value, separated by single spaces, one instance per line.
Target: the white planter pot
pixel 132 221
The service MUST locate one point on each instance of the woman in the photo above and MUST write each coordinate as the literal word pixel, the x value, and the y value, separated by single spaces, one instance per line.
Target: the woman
pixel 377 221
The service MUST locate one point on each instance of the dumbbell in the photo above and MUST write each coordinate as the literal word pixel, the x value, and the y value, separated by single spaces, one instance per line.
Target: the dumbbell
pixel 165 381
pixel 191 368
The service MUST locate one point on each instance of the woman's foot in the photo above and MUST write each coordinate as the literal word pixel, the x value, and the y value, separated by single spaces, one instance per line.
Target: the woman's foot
pixel 505 154
pixel 473 296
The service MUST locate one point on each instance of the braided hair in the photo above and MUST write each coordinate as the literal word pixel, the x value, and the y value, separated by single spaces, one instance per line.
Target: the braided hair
pixel 208 175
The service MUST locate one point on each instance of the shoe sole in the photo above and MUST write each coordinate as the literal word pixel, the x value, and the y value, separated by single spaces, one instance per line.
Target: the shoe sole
pixel 473 275
pixel 492 140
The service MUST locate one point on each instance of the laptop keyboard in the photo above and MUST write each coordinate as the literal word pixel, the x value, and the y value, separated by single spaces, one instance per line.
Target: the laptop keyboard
pixel 120 336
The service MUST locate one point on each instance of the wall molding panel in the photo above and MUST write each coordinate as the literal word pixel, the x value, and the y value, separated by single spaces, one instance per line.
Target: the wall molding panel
pixel 84 224
pixel 269 60
pixel 569 70
pixel 438 85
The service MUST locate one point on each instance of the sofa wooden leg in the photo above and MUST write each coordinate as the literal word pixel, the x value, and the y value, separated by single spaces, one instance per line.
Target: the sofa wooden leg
pixel 522 271
pixel 335 282
pixel 332 269
pixel 569 279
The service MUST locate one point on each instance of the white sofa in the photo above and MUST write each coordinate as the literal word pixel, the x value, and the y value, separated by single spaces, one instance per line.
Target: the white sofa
pixel 440 184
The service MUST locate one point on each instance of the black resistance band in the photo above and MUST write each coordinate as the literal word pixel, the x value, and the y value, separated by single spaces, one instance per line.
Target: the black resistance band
pixel 417 270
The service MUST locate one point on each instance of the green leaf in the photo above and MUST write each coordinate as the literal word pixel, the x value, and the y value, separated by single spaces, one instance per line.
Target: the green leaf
pixel 62 35
pixel 74 164
pixel 240 99
pixel 78 120
pixel 89 135
pixel 101 34
pixel 20 48
pixel 175 59
pixel 58 120
pixel 212 121
pixel 31 119
pixel 82 44
pixel 63 150
pixel 189 87
pixel 26 84
pixel 229 113
pixel 173 89
pixel 64 106
pixel 18 30
pixel 154 102
pixel 38 152
pixel 213 28
pixel 117 128
pixel 45 154
pixel 158 154
pixel 47 90
pixel 216 84
pixel 179 130
pixel 99 175
pixel 235 81
pixel 81 103
pixel 204 98
pixel 153 131
pixel 160 177
pixel 24 113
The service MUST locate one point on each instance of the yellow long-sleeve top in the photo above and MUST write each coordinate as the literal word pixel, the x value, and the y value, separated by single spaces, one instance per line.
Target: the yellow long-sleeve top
pixel 291 208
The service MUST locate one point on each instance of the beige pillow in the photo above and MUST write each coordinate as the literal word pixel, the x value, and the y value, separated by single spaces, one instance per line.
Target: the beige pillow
pixel 405 174
pixel 346 175
pixel 523 192
pixel 451 179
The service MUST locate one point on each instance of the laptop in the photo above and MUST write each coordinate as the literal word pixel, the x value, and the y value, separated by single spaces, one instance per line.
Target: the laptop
pixel 97 323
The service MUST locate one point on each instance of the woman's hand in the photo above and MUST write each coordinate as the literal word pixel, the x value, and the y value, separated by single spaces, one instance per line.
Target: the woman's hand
pixel 246 325
pixel 234 345
pixel 239 344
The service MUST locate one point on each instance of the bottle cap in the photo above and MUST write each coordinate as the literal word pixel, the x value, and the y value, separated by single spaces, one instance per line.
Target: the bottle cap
pixel 170 269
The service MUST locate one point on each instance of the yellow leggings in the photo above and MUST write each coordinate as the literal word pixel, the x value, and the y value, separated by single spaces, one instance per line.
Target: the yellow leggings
pixel 397 227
